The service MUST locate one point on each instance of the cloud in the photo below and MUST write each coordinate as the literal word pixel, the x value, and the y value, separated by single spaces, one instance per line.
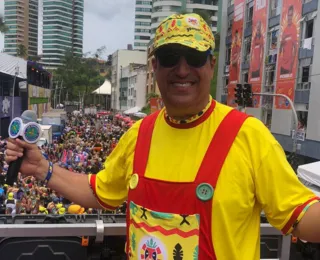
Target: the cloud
pixel 108 9
pixel 109 23
pixel 106 22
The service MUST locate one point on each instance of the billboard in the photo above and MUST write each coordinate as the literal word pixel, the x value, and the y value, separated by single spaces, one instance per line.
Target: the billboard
pixel 39 99
pixel 259 31
pixel 288 51
pixel 234 69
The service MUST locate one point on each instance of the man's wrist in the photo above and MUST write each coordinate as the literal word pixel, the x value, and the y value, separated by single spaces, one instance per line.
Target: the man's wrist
pixel 42 170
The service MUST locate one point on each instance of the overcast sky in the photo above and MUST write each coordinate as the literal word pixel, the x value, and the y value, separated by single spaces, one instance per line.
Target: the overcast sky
pixel 106 22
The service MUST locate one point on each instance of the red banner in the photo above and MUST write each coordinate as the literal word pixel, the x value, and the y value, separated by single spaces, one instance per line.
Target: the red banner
pixel 237 29
pixel 288 51
pixel 259 32
pixel 156 104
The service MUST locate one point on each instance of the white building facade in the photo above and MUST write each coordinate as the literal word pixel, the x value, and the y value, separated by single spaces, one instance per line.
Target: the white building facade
pixel 120 60
pixel 133 87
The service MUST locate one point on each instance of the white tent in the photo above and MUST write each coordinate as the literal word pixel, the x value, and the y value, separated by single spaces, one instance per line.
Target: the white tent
pixel 132 110
pixel 105 89
pixel 309 174
pixel 10 64
pixel 140 115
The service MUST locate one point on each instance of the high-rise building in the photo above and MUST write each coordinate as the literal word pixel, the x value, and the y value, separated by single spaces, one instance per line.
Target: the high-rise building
pixel 149 15
pixel 272 45
pixel 62 30
pixel 142 27
pixel 21 17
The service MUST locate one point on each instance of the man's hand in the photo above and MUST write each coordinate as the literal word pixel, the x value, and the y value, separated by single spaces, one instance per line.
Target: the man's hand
pixel 33 161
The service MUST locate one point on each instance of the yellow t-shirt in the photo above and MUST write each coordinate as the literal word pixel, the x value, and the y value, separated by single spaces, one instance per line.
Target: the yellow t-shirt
pixel 255 176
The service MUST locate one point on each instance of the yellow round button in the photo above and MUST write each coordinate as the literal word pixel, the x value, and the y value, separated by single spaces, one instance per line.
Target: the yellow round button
pixel 134 181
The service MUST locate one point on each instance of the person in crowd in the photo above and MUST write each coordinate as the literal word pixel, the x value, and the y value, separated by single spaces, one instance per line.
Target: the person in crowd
pixel 31 195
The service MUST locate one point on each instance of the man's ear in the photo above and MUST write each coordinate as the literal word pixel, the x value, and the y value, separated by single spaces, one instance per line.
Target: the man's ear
pixel 213 61
pixel 212 65
pixel 154 63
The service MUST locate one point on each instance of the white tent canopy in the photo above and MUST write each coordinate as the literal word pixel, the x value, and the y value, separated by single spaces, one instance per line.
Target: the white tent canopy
pixel 132 110
pixel 11 64
pixel 105 89
pixel 309 174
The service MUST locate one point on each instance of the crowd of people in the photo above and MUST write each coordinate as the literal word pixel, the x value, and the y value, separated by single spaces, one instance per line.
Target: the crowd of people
pixel 83 148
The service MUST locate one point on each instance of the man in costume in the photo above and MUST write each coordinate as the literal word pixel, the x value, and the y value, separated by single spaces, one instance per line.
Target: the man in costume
pixel 197 174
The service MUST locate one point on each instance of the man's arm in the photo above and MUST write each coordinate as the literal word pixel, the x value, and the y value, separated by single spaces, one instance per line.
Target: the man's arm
pixel 284 199
pixel 309 226
pixel 73 186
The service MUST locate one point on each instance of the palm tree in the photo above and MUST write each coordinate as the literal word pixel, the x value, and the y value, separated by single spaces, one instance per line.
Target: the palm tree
pixel 3 27
pixel 22 51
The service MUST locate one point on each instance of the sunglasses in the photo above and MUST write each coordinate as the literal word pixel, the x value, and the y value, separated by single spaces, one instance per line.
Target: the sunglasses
pixel 169 58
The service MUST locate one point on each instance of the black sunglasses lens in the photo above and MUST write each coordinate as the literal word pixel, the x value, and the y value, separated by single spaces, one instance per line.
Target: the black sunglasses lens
pixel 168 59
pixel 196 60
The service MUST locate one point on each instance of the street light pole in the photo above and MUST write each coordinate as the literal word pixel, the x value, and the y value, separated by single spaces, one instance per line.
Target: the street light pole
pixel 294 112
pixel 14 88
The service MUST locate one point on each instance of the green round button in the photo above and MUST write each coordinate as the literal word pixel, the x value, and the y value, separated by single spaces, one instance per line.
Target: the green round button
pixel 204 191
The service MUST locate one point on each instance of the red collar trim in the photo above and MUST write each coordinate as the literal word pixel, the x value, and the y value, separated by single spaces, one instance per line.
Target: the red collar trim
pixel 199 121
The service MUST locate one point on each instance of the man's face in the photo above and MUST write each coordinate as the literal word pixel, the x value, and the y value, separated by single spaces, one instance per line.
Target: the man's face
pixel 290 16
pixel 182 85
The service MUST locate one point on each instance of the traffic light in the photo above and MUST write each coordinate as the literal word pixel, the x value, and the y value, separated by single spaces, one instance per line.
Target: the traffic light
pixel 239 95
pixel 247 95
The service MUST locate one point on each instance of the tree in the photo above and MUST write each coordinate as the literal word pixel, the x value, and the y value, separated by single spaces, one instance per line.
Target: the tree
pixel 100 52
pixel 22 51
pixel 79 75
pixel 3 27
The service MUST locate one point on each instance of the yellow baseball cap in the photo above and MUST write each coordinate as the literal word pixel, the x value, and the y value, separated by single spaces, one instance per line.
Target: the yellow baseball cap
pixel 189 30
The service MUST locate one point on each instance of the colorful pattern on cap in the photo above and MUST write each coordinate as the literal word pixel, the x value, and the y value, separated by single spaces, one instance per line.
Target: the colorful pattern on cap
pixel 188 29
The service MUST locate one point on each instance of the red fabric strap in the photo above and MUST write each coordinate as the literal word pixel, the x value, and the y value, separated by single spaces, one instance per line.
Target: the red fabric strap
pixel 141 154
pixel 220 147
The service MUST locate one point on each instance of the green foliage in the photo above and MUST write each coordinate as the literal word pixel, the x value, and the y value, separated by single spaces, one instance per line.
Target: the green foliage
pixel 214 81
pixel 151 95
pixel 22 51
pixel 79 76
pixel 3 27
pixel 146 109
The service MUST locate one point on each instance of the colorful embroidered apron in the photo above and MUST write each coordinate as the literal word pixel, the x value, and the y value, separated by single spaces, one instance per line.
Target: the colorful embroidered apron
pixel 167 220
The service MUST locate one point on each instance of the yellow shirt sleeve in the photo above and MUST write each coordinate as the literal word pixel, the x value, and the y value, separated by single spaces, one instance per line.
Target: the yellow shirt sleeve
pixel 110 186
pixel 283 197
